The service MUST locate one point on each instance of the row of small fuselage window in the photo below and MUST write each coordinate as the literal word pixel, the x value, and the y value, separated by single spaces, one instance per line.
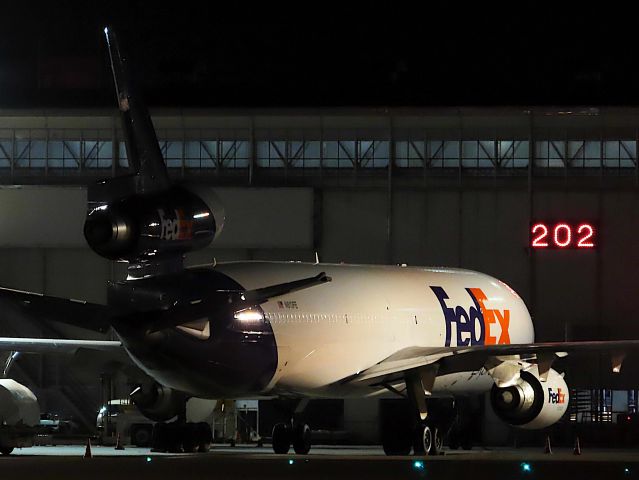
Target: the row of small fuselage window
pixel 277 317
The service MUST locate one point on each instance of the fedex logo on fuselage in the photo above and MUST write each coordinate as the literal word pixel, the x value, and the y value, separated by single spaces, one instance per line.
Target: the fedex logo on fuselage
pixel 556 398
pixel 474 326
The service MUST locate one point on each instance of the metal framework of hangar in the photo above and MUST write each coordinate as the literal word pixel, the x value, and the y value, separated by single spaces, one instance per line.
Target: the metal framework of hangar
pixel 392 169
pixel 266 147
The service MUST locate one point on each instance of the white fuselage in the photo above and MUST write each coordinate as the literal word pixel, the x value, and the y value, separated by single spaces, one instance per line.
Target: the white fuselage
pixel 333 331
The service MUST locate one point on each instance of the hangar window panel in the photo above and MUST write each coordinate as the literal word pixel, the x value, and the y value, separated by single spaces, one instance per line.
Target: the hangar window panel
pixel 193 154
pixel 550 153
pixel 513 153
pixel 373 153
pixel 339 154
pixel 124 161
pixel 208 155
pixel 478 153
pixel 235 153
pixel 303 153
pixel 450 154
pixel 6 152
pixel 98 154
pixel 410 153
pixel 172 153
pixel 30 153
pixel 346 153
pixel 64 153
pixel 270 154
pixel 584 153
pixel 620 153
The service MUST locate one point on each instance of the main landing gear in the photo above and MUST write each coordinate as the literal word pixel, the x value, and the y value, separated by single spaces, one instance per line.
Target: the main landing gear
pixel 422 427
pixel 294 432
pixel 178 437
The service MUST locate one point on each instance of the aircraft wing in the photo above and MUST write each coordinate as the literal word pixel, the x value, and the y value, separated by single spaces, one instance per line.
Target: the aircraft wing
pixel 446 360
pixel 56 345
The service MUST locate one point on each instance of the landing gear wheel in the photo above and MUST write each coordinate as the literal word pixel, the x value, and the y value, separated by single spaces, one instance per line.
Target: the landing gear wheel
pixel 396 441
pixel 189 441
pixel 302 439
pixel 453 440
pixel 141 435
pixel 424 440
pixel 204 436
pixel 6 450
pixel 438 443
pixel 281 438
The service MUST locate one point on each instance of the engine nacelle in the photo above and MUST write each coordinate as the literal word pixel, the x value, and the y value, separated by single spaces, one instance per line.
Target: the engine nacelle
pixel 136 226
pixel 158 403
pixel 531 403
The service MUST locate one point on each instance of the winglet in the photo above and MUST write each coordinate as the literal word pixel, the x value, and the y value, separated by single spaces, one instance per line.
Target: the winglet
pixel 143 151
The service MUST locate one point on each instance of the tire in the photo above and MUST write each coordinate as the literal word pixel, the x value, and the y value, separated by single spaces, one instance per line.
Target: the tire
pixel 302 439
pixel 159 438
pixel 453 440
pixel 438 442
pixel 189 438
pixel 141 435
pixel 424 440
pixel 281 438
pixel 204 436
pixel 396 441
pixel 6 450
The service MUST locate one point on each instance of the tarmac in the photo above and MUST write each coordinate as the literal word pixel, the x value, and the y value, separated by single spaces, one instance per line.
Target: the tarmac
pixel 359 462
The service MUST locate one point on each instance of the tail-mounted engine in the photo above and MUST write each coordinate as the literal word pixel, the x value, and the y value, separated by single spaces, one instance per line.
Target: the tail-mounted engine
pixel 139 227
pixel 144 218
pixel 531 403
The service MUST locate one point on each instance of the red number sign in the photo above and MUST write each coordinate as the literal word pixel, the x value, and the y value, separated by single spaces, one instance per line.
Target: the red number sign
pixel 562 235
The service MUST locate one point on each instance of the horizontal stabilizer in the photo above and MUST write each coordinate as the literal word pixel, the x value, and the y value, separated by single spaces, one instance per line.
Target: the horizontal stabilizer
pixel 56 345
pixel 73 312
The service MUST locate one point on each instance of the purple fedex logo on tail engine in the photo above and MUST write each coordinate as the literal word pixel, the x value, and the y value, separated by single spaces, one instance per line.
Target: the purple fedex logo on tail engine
pixel 475 326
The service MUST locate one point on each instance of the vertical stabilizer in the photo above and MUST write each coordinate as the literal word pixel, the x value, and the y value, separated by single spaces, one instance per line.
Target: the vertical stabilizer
pixel 143 151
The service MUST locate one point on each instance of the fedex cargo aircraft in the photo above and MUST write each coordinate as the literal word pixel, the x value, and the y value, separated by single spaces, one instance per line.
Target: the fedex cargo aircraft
pixel 292 330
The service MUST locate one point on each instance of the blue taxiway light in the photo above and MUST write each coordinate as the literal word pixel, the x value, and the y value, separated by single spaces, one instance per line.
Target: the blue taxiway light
pixel 148 459
pixel 418 465
pixel 526 468
pixel 291 461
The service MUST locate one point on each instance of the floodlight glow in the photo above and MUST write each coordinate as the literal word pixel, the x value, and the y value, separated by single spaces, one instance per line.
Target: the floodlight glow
pixel 248 315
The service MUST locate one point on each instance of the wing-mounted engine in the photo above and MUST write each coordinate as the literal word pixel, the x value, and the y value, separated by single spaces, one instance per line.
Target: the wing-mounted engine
pixel 157 402
pixel 531 403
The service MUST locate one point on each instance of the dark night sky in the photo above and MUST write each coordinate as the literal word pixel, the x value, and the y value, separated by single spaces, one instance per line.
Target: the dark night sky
pixel 192 54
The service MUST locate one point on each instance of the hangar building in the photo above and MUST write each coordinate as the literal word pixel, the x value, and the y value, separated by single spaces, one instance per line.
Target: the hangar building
pixel 456 187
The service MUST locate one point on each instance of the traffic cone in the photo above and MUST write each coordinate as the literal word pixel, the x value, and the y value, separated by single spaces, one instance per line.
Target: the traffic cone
pixel 87 451
pixel 118 443
pixel 577 450
pixel 547 449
